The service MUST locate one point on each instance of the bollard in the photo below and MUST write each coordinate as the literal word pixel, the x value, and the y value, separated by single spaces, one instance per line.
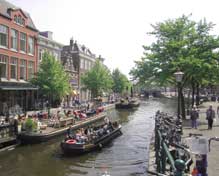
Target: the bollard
pixel 180 167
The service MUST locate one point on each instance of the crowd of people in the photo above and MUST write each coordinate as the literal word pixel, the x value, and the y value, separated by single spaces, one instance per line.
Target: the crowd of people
pixel 210 116
pixel 86 135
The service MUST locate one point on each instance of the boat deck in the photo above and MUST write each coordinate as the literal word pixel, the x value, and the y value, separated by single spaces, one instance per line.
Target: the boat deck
pixel 77 124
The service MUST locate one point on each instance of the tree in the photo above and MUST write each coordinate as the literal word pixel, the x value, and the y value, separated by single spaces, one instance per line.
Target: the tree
pixel 120 81
pixel 98 79
pixel 52 80
pixel 180 44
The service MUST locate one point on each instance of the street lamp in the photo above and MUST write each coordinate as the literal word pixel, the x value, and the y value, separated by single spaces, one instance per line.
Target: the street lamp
pixel 179 75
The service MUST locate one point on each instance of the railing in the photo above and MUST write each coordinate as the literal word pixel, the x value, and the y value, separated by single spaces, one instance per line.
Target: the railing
pixel 168 162
pixel 6 131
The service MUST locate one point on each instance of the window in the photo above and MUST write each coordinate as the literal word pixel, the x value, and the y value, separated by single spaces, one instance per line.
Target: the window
pixel 23 42
pixel 23 66
pixel 81 64
pixel 14 38
pixel 41 55
pixel 84 64
pixel 13 68
pixel 89 65
pixel 23 22
pixel 3 35
pixel 3 66
pixel 15 18
pixel 19 19
pixel 30 69
pixel 31 45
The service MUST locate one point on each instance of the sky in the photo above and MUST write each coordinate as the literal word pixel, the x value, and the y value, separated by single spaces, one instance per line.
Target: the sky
pixel 114 29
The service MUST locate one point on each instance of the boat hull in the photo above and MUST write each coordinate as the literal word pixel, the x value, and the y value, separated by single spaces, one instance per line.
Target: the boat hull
pixel 77 149
pixel 127 105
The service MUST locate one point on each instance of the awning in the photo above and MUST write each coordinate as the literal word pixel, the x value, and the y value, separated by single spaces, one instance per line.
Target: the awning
pixel 17 86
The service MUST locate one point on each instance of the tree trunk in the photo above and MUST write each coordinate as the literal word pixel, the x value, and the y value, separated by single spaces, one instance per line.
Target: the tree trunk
pixel 193 92
pixel 188 102
pixel 197 95
pixel 183 112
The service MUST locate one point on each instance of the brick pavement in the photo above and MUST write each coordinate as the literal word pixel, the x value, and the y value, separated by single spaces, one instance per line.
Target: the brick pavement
pixel 213 156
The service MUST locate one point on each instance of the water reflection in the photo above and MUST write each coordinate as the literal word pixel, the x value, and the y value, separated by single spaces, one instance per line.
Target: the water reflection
pixel 125 156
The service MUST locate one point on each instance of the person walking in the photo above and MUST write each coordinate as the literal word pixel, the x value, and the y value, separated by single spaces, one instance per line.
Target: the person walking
pixel 218 111
pixel 194 116
pixel 210 115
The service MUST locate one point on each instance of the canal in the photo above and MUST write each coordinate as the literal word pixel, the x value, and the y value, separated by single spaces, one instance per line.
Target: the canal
pixel 125 156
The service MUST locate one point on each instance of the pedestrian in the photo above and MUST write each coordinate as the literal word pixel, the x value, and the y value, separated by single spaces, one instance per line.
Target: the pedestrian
pixel 218 111
pixel 69 132
pixel 210 115
pixel 194 115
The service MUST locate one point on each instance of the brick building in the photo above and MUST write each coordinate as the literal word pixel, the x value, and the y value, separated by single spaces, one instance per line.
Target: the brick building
pixel 18 58
pixel 77 59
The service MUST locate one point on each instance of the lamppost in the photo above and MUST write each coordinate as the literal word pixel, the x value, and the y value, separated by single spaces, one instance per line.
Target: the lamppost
pixel 179 75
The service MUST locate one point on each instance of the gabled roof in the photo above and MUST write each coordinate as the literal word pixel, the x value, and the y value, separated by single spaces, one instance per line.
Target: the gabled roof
pixel 83 49
pixel 5 9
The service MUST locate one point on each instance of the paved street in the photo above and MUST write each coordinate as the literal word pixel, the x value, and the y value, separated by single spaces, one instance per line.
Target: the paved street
pixel 213 156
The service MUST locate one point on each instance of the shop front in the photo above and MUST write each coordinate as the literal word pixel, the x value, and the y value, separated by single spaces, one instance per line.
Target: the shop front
pixel 17 98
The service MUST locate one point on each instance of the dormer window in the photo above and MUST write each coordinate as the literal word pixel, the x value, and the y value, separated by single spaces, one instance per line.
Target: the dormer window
pixel 23 22
pixel 19 20
pixel 15 19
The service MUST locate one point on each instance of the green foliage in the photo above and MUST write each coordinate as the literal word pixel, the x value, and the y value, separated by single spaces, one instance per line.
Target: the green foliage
pixel 52 80
pixel 180 44
pixel 30 125
pixel 120 81
pixel 97 80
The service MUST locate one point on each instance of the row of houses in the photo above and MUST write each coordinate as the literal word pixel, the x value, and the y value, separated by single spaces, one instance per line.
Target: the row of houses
pixel 21 50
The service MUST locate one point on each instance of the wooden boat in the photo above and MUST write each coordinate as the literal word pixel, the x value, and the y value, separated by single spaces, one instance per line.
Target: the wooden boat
pixel 72 147
pixel 50 133
pixel 127 104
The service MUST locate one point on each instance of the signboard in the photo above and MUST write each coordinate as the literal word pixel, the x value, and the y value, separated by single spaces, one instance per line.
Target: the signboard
pixel 198 145
pixel 73 81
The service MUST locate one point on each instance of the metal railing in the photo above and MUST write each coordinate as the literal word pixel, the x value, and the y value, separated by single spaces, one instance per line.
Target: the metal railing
pixel 167 146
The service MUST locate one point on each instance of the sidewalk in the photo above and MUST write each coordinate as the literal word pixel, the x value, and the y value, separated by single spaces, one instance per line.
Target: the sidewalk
pixel 213 156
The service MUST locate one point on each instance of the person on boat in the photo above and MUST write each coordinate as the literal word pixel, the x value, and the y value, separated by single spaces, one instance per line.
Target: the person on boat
pixel 58 115
pixel 16 125
pixel 108 123
pixel 69 132
pixel 88 106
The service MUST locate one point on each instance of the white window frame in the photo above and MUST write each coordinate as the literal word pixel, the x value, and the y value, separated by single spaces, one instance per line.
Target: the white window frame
pixel 30 67
pixel 4 31
pixel 23 37
pixel 14 62
pixel 14 38
pixel 23 64
pixel 4 60
pixel 31 45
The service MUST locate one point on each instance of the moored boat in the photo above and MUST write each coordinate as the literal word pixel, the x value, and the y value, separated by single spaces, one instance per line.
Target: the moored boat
pixel 127 104
pixel 76 147
pixel 50 133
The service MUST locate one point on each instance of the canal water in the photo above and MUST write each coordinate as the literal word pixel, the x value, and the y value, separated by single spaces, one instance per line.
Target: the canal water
pixel 126 155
